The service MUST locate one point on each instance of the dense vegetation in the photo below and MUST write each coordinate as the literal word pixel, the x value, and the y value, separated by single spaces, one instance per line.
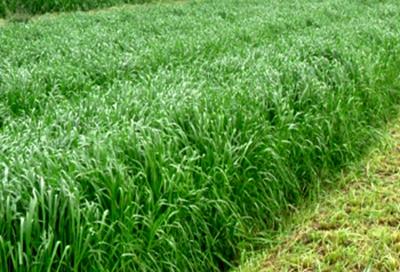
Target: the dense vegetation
pixel 9 7
pixel 168 138
pixel 352 227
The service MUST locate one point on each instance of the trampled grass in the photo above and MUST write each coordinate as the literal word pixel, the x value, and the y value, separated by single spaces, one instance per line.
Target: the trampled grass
pixel 170 138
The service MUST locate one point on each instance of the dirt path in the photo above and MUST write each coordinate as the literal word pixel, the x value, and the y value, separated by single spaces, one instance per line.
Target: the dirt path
pixel 355 228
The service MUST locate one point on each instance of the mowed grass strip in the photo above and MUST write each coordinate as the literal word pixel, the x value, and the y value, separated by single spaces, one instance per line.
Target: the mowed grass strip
pixel 354 228
pixel 172 138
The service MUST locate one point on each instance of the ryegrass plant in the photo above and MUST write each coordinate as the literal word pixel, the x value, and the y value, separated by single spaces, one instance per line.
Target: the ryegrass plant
pixel 169 138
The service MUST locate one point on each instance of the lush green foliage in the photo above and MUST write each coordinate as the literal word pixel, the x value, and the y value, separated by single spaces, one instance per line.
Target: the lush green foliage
pixel 42 6
pixel 354 227
pixel 171 137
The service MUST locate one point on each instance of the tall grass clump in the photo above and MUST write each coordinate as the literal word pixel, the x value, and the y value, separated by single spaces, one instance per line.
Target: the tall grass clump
pixel 170 138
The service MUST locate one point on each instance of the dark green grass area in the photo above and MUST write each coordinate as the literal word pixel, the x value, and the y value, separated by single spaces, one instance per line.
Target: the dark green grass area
pixel 170 138
pixel 10 7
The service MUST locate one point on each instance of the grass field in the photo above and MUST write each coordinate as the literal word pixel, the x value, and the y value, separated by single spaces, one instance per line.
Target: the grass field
pixel 174 137
pixel 31 7
pixel 355 227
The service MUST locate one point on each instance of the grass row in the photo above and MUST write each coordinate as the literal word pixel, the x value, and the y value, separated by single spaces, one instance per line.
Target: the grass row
pixel 353 228
pixel 170 138
pixel 10 7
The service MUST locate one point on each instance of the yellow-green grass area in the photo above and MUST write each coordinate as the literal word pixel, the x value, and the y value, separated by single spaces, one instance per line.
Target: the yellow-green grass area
pixel 354 228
